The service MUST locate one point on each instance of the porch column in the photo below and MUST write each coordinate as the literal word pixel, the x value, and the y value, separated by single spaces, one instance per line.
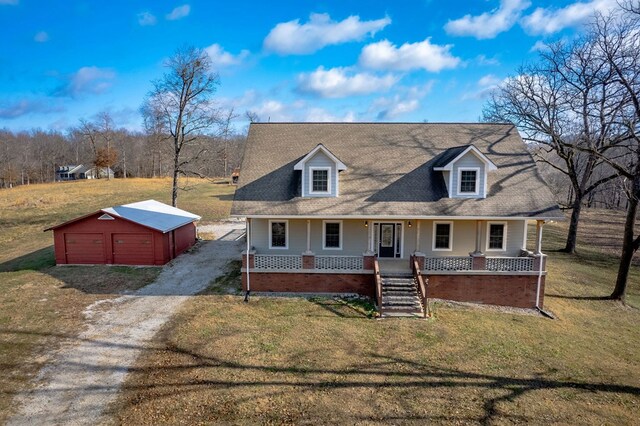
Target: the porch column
pixel 539 225
pixel 418 236
pixel 369 251
pixel 478 258
pixel 308 237
pixel 308 257
pixel 478 249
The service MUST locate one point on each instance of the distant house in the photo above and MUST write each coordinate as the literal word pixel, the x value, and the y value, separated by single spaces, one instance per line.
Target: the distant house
pixel 64 173
pixel 143 233
pixel 329 205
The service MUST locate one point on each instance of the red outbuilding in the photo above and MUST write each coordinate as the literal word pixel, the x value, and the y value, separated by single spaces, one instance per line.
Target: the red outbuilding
pixel 144 233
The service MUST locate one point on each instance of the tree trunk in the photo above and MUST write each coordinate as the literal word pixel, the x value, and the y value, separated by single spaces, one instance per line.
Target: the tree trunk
pixel 628 249
pixel 176 172
pixel 174 190
pixel 572 235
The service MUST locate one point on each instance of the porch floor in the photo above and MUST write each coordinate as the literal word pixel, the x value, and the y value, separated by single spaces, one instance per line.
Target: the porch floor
pixel 394 266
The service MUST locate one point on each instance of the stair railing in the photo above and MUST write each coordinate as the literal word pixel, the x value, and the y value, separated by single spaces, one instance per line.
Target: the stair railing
pixel 422 286
pixel 376 273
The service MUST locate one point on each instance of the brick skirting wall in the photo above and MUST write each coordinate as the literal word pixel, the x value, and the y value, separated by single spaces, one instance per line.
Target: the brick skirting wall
pixel 504 290
pixel 362 284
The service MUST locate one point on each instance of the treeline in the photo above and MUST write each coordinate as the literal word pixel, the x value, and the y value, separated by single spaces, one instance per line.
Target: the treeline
pixel 33 156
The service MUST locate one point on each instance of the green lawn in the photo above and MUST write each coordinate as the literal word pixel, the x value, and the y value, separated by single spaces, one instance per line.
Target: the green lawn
pixel 323 361
pixel 41 304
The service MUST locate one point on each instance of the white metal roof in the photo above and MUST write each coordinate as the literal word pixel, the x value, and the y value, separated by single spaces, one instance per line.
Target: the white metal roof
pixel 153 214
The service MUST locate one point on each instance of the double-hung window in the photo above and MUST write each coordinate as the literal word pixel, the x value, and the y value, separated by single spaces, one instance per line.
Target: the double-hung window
pixel 320 180
pixel 468 181
pixel 442 234
pixel 332 235
pixel 496 236
pixel 278 234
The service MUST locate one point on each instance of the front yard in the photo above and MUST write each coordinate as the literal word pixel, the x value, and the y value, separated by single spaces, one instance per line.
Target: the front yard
pixel 322 361
pixel 43 306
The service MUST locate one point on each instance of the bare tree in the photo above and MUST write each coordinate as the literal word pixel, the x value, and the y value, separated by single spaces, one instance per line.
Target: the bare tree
pixel 562 103
pixel 183 104
pixel 618 42
pixel 226 132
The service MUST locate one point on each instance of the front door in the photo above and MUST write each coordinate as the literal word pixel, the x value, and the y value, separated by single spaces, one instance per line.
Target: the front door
pixel 386 246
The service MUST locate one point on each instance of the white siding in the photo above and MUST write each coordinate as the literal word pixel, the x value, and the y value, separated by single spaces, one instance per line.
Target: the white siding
pixel 464 238
pixel 320 159
pixel 468 160
pixel 355 238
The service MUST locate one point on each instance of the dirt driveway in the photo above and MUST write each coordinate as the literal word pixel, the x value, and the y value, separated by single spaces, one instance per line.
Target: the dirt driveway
pixel 87 371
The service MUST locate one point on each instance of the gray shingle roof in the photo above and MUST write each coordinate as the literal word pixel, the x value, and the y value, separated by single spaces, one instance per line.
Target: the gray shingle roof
pixel 390 171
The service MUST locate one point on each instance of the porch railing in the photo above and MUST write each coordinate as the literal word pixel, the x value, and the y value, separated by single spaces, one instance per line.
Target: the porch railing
pixel 509 264
pixel 279 261
pixel 447 263
pixel 339 263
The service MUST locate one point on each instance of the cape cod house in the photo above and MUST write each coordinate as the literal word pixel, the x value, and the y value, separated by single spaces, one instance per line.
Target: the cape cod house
pixel 396 211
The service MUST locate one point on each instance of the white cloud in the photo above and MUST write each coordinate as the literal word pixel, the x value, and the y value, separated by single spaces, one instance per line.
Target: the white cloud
pixel 26 106
pixel 488 80
pixel 420 55
pixel 551 20
pixel 222 58
pixel 484 60
pixel 41 37
pixel 405 101
pixel 179 12
pixel 340 83
pixel 319 115
pixel 146 18
pixel 10 2
pixel 272 110
pixel 486 84
pixel 86 80
pixel 295 38
pixel 489 24
pixel 539 46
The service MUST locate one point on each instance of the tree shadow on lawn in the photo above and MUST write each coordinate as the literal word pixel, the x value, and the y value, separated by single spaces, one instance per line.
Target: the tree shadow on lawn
pixel 385 372
pixel 89 279
pixel 36 260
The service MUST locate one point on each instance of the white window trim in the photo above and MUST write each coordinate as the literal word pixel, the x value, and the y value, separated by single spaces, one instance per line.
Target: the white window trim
pixel 504 236
pixel 324 235
pixel 469 169
pixel 311 191
pixel 433 236
pixel 286 235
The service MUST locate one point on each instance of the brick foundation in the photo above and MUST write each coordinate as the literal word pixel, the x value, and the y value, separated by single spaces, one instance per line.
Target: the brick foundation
pixel 362 284
pixel 504 290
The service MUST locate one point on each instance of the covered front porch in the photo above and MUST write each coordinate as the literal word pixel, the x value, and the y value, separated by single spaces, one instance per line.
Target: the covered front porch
pixel 462 246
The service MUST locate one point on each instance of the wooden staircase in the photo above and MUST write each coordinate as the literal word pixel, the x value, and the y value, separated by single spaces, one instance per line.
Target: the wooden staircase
pixel 400 296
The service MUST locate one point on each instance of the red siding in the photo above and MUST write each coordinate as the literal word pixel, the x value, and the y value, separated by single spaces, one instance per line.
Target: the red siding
pixel 184 238
pixel 123 242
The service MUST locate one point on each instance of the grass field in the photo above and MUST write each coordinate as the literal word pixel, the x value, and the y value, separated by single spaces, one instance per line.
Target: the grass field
pixel 42 305
pixel 323 361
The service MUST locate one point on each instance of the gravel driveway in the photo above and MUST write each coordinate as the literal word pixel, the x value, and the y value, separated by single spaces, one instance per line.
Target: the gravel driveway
pixel 86 373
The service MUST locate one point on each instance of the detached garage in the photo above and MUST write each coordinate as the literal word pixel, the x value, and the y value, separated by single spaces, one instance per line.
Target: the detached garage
pixel 144 233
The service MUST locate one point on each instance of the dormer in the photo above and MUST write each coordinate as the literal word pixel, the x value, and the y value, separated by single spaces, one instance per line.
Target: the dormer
pixel 320 173
pixel 465 171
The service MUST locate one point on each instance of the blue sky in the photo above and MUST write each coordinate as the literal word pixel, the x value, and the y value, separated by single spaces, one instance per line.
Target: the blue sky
pixel 284 60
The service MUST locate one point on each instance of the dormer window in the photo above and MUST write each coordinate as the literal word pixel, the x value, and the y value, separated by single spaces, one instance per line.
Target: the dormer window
pixel 320 171
pixel 320 180
pixel 468 181
pixel 465 171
